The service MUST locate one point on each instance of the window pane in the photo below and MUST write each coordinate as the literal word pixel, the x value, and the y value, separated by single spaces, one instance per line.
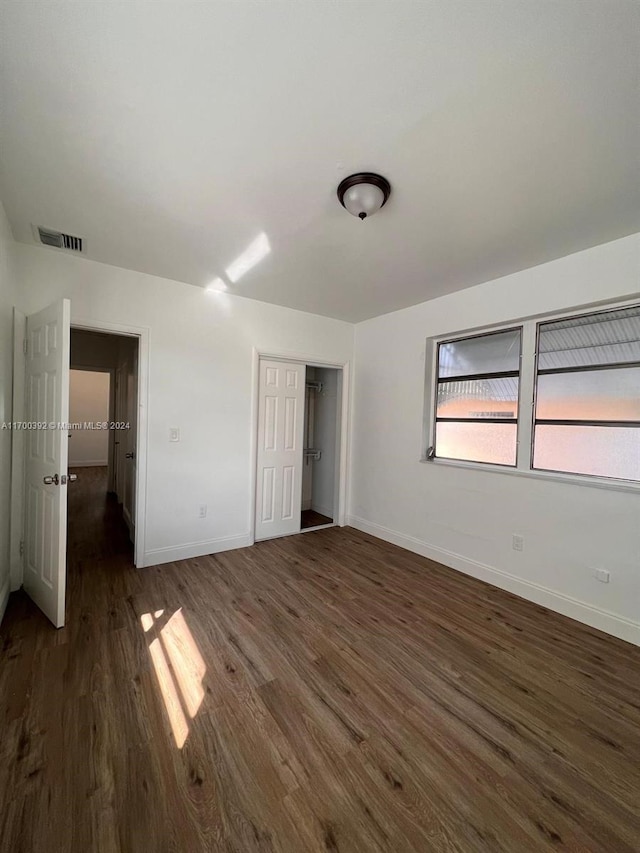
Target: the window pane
pixel 601 395
pixel 590 356
pixel 479 442
pixel 479 398
pixel 605 338
pixel 493 353
pixel 600 451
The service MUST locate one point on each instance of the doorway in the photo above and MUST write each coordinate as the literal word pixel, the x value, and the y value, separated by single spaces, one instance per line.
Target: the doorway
pixel 319 471
pixel 300 447
pixel 103 407
pixel 40 476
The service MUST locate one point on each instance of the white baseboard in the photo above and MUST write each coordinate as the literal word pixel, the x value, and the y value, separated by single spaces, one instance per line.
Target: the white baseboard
pixel 94 463
pixel 156 556
pixel 603 620
pixel 4 597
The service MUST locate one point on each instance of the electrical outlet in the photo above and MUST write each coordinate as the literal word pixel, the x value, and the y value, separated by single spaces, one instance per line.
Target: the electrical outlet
pixel 203 511
pixel 602 575
pixel 174 434
pixel 517 542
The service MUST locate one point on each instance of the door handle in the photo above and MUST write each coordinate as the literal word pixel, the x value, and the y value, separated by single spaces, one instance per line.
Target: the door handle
pixel 129 455
pixel 68 478
pixel 51 481
pixel 73 478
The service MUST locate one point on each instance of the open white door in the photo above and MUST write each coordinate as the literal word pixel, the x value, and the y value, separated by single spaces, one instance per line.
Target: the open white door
pixel 280 438
pixel 46 453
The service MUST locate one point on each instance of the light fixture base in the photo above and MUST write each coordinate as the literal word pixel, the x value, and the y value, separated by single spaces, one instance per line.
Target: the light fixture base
pixel 367 178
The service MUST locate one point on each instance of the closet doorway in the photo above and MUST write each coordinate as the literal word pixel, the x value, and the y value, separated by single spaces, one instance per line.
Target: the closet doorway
pixel 300 446
pixel 319 473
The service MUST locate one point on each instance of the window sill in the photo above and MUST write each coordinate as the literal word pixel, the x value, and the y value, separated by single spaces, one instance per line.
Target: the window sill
pixel 567 479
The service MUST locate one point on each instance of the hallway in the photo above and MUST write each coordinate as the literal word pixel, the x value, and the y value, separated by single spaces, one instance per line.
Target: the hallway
pixel 95 526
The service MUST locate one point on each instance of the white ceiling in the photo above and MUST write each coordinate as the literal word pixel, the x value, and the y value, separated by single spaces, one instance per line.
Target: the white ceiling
pixel 170 135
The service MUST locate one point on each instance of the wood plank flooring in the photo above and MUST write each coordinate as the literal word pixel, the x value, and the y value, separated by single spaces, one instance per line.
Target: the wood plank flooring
pixel 311 518
pixel 324 692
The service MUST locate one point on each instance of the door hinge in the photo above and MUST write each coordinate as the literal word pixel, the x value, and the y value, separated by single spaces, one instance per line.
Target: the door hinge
pixel 21 547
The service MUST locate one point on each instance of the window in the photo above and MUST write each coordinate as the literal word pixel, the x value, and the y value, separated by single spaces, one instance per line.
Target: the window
pixel 477 398
pixel 587 418
pixel 576 380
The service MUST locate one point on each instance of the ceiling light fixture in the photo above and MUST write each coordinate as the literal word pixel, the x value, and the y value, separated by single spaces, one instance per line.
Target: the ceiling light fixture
pixel 364 193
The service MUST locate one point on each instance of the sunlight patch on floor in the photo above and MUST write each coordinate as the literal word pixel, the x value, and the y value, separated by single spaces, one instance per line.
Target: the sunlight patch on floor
pixel 179 668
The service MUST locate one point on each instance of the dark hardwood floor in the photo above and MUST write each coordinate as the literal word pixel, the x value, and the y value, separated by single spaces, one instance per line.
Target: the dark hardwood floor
pixel 311 518
pixel 325 692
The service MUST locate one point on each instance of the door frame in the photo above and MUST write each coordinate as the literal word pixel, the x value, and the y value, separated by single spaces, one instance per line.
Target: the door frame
pixel 307 361
pixel 142 433
pixel 18 452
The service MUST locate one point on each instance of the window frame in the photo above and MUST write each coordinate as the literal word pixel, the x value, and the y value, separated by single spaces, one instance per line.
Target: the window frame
pixel 437 380
pixel 527 391
pixel 578 369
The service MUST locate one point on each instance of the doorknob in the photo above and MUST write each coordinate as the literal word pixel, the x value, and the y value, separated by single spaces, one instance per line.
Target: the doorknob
pixel 51 481
pixel 129 455
pixel 73 478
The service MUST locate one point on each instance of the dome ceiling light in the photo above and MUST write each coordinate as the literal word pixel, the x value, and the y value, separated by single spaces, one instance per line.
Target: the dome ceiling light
pixel 364 193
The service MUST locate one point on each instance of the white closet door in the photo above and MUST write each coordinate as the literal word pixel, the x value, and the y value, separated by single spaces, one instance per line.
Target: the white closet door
pixel 280 439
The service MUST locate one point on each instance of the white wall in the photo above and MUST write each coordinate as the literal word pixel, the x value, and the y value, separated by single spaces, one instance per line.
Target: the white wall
pixel 88 403
pixel 201 361
pixel 326 413
pixel 465 518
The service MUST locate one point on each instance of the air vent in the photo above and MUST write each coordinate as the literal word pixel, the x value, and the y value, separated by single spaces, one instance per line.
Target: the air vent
pixel 59 240
pixel 74 244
